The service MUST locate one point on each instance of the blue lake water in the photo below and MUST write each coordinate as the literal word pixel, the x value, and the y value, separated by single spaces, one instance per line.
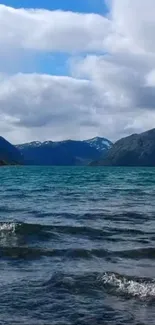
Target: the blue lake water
pixel 77 246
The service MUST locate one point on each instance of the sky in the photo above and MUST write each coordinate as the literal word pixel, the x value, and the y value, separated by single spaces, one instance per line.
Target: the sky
pixel 76 69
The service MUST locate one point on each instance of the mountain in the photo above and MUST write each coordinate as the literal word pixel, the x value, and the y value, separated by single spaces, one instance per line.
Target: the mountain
pixel 9 154
pixel 134 150
pixel 69 152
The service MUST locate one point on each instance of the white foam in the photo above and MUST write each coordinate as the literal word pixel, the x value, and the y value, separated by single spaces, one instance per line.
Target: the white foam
pixel 141 289
pixel 7 227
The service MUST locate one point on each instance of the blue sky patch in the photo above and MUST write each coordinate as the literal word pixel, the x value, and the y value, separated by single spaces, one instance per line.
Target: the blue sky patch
pixel 86 6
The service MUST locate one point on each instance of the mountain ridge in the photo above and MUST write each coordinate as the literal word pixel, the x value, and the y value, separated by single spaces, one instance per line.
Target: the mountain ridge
pixel 66 152
pixel 133 150
pixel 104 141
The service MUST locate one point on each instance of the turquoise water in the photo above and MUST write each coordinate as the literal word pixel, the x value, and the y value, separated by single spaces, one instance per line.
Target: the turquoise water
pixel 77 246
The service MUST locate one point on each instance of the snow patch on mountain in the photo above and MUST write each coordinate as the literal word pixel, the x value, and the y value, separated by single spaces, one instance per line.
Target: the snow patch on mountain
pixel 99 143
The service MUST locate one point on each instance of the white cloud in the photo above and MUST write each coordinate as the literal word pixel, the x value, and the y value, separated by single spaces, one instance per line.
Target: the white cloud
pixel 111 94
pixel 130 26
pixel 46 107
pixel 45 30
pixel 135 20
pixel 59 104
pixel 122 79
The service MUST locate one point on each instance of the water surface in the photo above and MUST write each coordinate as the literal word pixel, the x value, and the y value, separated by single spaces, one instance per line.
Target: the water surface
pixel 77 246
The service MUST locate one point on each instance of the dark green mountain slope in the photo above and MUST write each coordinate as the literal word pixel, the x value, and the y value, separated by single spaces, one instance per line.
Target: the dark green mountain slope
pixel 134 150
pixel 9 154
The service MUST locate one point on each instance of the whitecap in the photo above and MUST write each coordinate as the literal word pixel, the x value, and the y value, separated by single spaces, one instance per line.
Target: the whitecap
pixel 136 288
pixel 8 227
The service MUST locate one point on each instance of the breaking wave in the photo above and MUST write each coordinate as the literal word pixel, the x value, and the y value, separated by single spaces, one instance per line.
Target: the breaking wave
pixel 142 288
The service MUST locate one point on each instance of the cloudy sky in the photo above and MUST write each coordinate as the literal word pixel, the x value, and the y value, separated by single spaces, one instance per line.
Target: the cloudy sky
pixel 76 68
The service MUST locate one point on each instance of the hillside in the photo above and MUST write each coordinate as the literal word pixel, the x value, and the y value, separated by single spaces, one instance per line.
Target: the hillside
pixel 134 150
pixel 9 154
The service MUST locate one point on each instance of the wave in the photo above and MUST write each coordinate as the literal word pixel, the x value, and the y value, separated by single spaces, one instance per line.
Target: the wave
pixel 142 288
pixel 95 215
pixel 112 283
pixel 69 253
pixel 21 228
pixel 25 228
pixel 11 232
pixel 34 252
pixel 11 248
pixel 15 236
pixel 139 253
pixel 47 232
